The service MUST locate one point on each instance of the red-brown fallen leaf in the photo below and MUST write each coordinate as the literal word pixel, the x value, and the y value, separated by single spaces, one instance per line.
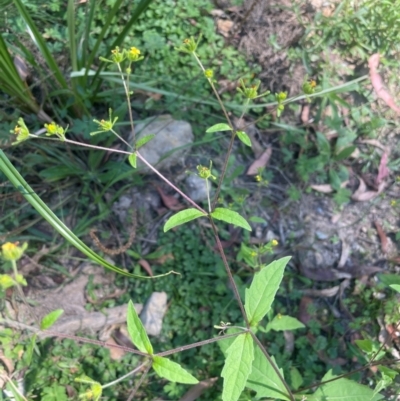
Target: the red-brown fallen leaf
pixel 146 266
pixel 362 195
pixel 116 353
pixel 169 201
pixel 305 113
pixel 378 84
pixel 260 162
pixel 303 314
pixel 383 170
pixel 224 26
pixel 382 236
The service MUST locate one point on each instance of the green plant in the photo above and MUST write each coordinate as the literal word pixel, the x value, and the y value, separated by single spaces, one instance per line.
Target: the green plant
pixel 247 361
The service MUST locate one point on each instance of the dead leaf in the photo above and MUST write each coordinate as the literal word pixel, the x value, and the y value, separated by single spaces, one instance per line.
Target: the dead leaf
pixel 197 390
pixel 382 236
pixel 169 201
pixel 224 26
pixel 326 292
pixel 376 143
pixel 289 341
pixel 345 252
pixel 260 162
pixel 362 195
pixel 378 85
pixel 217 13
pixel 116 353
pixel 146 266
pixel 305 113
pixel 304 310
pixel 383 170
pixel 162 259
pixel 324 188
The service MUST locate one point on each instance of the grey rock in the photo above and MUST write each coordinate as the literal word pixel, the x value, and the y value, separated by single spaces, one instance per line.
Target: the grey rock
pixel 196 188
pixel 153 313
pixel 170 136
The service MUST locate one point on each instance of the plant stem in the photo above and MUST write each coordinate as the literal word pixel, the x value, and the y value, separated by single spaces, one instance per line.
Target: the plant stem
pixel 132 372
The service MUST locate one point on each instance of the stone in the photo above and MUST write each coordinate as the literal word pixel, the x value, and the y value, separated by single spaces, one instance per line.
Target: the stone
pixel 170 136
pixel 153 313
pixel 196 188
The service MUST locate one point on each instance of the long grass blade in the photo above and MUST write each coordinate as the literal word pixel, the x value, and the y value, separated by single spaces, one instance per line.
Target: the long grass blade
pixel 21 185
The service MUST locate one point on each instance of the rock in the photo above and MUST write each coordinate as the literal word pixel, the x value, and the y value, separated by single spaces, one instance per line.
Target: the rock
pixel 170 135
pixel 196 188
pixel 153 313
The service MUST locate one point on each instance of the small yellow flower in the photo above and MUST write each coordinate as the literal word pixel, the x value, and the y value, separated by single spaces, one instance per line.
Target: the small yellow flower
pixel 209 73
pixel 274 242
pixel 11 251
pixel 21 131
pixel 258 178
pixel 134 52
pixel 393 203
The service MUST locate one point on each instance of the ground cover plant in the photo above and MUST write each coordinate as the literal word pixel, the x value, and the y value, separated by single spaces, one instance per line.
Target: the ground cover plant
pixel 94 386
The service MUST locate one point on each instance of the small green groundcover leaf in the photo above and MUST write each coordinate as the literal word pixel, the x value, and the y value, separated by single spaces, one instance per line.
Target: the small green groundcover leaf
pixel 182 217
pixel 281 323
pixel 261 294
pixel 137 331
pixel 50 319
pixel 231 217
pixel 219 127
pixel 172 371
pixel 142 141
pixel 237 368
pixel 244 137
pixel 133 160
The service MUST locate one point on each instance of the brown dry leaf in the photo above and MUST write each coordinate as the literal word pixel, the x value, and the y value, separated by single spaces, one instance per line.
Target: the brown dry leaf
pixel 383 170
pixel 376 143
pixel 260 162
pixel 362 195
pixel 224 26
pixel 305 113
pixel 378 85
pixel 326 292
pixel 382 236
pixel 169 201
pixel 289 341
pixel 217 13
pixel 146 266
pixel 345 252
pixel 7 363
pixel 303 314
pixel 324 188
pixel 197 390
pixel 116 353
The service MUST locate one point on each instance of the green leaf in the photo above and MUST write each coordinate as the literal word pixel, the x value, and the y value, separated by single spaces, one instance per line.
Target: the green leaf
pixel 237 368
pixel 244 137
pixel 261 294
pixel 281 323
pixel 343 390
pixel 295 378
pixel 142 141
pixel 323 145
pixel 389 279
pixel 230 217
pixel 334 180
pixel 182 217
pixel 256 219
pixel 345 153
pixel 132 159
pixel 54 393
pixel 50 319
pixel 137 331
pixel 172 371
pixel 219 127
pixel 396 287
pixel 264 380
